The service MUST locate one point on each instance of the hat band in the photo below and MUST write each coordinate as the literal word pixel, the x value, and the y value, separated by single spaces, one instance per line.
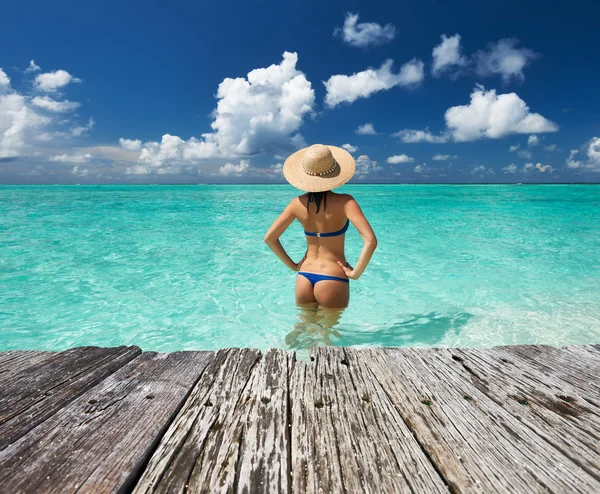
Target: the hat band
pixel 320 174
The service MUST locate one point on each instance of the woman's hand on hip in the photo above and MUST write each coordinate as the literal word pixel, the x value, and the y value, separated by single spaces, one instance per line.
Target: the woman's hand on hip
pixel 348 270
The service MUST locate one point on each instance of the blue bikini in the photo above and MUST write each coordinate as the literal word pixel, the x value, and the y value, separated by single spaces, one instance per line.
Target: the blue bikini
pixel 315 278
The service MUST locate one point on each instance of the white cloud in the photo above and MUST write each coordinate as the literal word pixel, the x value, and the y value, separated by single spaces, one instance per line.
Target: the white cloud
pixel 482 170
pixel 400 158
pixel 365 165
pixel 32 67
pixel 551 147
pixel 49 104
pixel 82 172
pixel 447 55
pixel 258 114
pixel 18 125
pixel 493 116
pixel 412 136
pixel 533 141
pixel 593 157
pixel 523 153
pixel 539 167
pixel 512 168
pixel 277 168
pixel 71 158
pixel 366 130
pixel 443 157
pixel 230 169
pixel 514 148
pixel 78 131
pixel 366 33
pixel 51 81
pixel 421 168
pixel 349 88
pixel 4 80
pixel 350 148
pixel 139 169
pixel 130 144
pixel 505 59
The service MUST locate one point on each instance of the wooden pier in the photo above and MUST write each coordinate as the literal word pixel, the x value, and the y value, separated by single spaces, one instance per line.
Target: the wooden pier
pixel 507 419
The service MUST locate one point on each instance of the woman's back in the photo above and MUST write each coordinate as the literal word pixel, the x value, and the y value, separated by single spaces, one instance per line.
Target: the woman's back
pixel 323 252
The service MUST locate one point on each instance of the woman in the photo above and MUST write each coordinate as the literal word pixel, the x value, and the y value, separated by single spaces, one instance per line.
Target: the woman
pixel 323 272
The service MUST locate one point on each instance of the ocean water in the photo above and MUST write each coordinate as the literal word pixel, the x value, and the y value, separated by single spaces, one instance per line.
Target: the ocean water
pixel 185 267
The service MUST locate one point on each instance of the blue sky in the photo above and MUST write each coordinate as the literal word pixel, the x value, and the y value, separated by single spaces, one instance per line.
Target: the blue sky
pixel 203 92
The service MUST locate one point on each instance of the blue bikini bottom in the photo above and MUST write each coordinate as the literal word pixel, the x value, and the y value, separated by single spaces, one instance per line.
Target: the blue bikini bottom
pixel 314 278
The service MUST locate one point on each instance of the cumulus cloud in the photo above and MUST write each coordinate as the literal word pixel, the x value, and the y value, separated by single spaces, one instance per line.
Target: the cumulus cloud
pixel 411 136
pixel 505 59
pixel 551 147
pixel 350 148
pixel 130 144
pixel 81 172
pixel 512 169
pixel 277 168
pixel 32 67
pixel 366 130
pixel 593 157
pixel 443 157
pixel 421 169
pixel 365 165
pixel 488 115
pixel 229 169
pixel 400 158
pixel 257 114
pixel 49 104
pixel 349 88
pixel 4 80
pixel 71 158
pixel 523 153
pixel 365 34
pixel 482 170
pixel 19 125
pixel 539 167
pixel 80 130
pixel 533 141
pixel 447 55
pixel 52 81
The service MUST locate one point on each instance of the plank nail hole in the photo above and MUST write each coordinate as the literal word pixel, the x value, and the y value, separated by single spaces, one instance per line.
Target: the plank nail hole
pixel 215 427
pixel 520 399
pixel 265 400
pixel 312 359
pixel 468 398
pixel 345 362
pixel 568 399
pixel 319 404
pixel 208 404
pixel 48 393
pixel 506 361
pixel 366 398
pixel 426 402
pixel 149 397
pixel 92 402
pixel 457 358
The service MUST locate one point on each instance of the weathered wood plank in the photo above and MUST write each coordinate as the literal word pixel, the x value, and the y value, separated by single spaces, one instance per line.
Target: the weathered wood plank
pixel 375 449
pixel 315 461
pixel 549 407
pixel 200 450
pixel 581 372
pixel 100 441
pixel 476 444
pixel 36 393
pixel 13 362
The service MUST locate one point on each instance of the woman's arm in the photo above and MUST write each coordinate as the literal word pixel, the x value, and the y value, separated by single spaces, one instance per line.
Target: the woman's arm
pixel 357 218
pixel 277 228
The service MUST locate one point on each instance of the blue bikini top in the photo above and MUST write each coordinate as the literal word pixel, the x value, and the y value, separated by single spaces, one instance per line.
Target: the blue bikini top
pixel 328 234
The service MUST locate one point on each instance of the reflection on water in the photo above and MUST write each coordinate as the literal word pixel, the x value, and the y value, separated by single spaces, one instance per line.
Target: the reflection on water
pixel 315 327
pixel 321 327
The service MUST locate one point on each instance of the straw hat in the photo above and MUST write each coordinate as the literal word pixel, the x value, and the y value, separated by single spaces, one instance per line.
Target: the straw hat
pixel 318 168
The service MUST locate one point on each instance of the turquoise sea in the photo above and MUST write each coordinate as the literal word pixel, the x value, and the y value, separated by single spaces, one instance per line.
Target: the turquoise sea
pixel 185 267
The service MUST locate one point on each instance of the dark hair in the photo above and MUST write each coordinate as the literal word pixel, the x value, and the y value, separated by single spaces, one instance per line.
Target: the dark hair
pixel 317 198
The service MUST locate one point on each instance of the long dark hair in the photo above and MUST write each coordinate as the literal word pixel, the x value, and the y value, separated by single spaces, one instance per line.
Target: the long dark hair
pixel 317 198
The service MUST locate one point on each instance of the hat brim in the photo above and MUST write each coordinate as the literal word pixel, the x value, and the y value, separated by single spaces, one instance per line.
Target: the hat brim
pixel 296 176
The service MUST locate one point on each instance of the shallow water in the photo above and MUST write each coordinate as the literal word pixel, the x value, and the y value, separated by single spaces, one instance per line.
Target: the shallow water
pixel 184 267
